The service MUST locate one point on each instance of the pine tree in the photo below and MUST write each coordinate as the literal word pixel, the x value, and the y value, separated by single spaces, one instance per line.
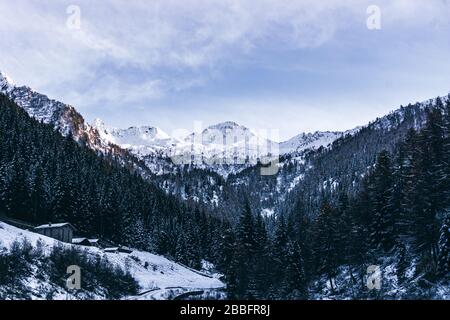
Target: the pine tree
pixel 245 252
pixel 192 255
pixel 434 136
pixel 294 284
pixel 227 247
pixel 278 251
pixel 227 261
pixel 411 170
pixel 383 221
pixel 446 147
pixel 444 247
pixel 402 262
pixel 6 180
pixel 259 281
pixel 343 227
pixel 325 245
pixel 396 199
pixel 180 250
pixel 428 191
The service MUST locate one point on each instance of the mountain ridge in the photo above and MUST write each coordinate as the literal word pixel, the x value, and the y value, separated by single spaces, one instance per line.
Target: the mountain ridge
pixel 226 147
pixel 225 143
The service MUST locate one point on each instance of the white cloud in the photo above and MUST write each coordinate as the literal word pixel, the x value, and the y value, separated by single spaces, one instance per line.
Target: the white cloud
pixel 112 89
pixel 179 34
pixel 172 45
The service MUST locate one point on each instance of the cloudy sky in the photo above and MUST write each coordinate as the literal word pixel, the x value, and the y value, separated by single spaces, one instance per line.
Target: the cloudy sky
pixel 298 65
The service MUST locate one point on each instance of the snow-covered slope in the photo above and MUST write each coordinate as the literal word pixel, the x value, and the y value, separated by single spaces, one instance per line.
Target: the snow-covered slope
pixel 39 106
pixel 152 272
pixel 63 117
pixel 6 84
pixel 142 141
pixel 305 141
pixel 226 143
pixel 223 143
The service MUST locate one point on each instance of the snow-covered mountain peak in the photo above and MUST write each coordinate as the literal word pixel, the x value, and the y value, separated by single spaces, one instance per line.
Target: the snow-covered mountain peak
pixel 102 130
pixel 4 77
pixel 142 141
pixel 227 125
pixel 223 143
pixel 145 133
pixel 228 132
pixel 6 84
pixel 62 116
pixel 98 124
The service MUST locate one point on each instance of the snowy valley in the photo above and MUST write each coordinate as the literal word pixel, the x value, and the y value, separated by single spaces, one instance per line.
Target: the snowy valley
pixel 157 277
pixel 182 200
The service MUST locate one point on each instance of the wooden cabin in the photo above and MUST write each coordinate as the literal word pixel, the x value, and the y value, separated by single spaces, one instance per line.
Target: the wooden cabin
pixel 59 231
pixel 124 249
pixel 111 250
pixel 81 242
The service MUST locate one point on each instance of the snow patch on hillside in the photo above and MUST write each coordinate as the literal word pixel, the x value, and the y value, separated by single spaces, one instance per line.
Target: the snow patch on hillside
pixel 305 141
pixel 142 141
pixel 226 148
pixel 152 272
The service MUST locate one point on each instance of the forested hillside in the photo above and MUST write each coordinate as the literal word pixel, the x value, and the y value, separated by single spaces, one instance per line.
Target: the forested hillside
pixel 343 166
pixel 47 177
pixel 397 219
pixel 305 176
pixel 377 197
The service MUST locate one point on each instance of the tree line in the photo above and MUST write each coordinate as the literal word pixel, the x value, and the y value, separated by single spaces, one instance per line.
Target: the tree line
pixel 397 209
pixel 45 177
pixel 401 210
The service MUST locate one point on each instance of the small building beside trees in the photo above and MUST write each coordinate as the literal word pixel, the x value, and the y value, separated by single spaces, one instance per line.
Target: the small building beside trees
pixel 59 231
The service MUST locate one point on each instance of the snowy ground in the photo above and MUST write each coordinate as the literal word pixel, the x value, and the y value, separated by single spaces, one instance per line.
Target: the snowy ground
pixel 157 276
pixel 347 285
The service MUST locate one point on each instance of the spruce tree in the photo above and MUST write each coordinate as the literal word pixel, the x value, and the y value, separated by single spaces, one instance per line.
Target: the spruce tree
pixel 259 281
pixel 402 263
pixel 278 251
pixel 411 170
pixel 444 247
pixel 383 220
pixel 294 284
pixel 428 190
pixel 325 245
pixel 245 252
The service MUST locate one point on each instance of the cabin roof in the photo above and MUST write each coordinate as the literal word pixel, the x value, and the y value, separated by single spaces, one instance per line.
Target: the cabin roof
pixel 55 225
pixel 125 249
pixel 79 240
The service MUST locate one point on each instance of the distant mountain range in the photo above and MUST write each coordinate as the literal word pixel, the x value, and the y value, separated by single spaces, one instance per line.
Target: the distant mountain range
pixel 226 149
pixel 325 193
pixel 224 143
pixel 65 118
